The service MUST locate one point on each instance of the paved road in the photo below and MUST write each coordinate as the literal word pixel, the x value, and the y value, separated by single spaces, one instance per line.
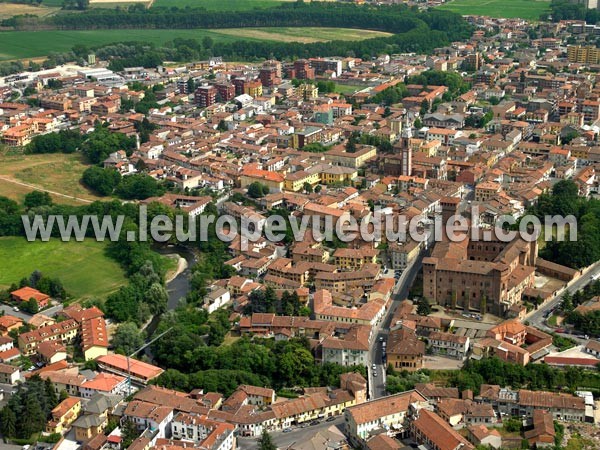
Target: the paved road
pixel 50 312
pixel 377 384
pixel 8 310
pixel 537 318
pixel 285 440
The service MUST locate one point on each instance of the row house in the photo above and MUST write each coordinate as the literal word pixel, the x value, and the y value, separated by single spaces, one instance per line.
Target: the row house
pixel 448 344
pixel 64 332
pixel 391 412
pixel 148 416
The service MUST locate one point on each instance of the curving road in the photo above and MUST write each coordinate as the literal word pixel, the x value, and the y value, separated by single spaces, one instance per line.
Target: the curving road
pixel 537 319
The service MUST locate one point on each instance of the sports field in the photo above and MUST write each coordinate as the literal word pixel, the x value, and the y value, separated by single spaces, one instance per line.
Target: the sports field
pixel 58 173
pixel 83 267
pixel 31 44
pixel 524 9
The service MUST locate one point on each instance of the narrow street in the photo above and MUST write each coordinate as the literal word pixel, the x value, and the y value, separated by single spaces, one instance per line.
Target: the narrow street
pixel 377 384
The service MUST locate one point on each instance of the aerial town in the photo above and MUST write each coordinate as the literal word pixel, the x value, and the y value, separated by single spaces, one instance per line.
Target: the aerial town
pixel 433 339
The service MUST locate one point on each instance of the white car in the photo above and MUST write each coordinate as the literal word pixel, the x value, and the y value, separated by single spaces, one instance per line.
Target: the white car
pixel 374 367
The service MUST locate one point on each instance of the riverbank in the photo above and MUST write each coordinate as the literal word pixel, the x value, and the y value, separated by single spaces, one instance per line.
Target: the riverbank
pixel 181 266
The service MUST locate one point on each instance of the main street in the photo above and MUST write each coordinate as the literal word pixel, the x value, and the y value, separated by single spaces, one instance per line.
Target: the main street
pixel 382 329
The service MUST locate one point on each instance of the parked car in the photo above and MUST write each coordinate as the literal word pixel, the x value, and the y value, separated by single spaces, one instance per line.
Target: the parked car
pixel 287 430
pixel 330 419
pixel 315 422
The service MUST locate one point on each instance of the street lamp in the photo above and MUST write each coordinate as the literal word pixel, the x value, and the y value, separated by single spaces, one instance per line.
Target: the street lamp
pixel 143 347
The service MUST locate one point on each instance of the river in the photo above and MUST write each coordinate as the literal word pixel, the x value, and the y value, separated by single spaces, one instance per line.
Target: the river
pixel 178 287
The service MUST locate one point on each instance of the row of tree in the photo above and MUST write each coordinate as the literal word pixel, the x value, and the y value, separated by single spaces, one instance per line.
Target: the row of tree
pixel 565 201
pixel 588 323
pixel 281 364
pixel 95 146
pixel 532 376
pixel 413 31
pixel 565 10
pixel 266 301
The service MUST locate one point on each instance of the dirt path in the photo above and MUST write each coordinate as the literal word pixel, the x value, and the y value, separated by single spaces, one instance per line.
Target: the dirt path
pixel 20 183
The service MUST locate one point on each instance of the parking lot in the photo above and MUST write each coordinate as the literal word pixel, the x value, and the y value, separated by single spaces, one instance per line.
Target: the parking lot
pixel 441 363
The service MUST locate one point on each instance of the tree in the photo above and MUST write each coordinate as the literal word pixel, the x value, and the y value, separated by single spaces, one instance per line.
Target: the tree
pixel 423 307
pixel 257 190
pixel 62 396
pixel 207 42
pixel 265 442
pixel 8 422
pixel 129 432
pixel 307 187
pixel 351 143
pixel 483 304
pixel 567 302
pixel 191 85
pixel 102 181
pixel 138 186
pixel 37 198
pixel 222 126
pixel 127 339
pixel 31 306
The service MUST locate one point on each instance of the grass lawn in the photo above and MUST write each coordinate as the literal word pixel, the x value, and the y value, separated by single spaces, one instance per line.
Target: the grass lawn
pixel 57 3
pixel 220 5
pixel 524 9
pixel 552 320
pixel 57 172
pixel 31 44
pixel 8 10
pixel 82 266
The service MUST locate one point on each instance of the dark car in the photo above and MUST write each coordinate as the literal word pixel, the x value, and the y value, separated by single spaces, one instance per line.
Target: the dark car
pixel 315 422
pixel 330 419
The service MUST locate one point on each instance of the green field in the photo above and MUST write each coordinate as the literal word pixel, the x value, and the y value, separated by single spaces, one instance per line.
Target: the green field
pixel 82 266
pixel 32 44
pixel 220 5
pixel 524 9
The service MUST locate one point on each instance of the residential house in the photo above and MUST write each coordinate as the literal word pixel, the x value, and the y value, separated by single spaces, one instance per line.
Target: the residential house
pixel 449 344
pixel 391 412
pixel 63 415
pixel 432 431
pixel 9 374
